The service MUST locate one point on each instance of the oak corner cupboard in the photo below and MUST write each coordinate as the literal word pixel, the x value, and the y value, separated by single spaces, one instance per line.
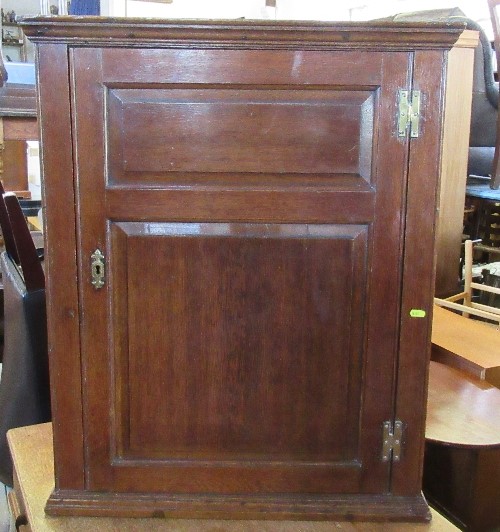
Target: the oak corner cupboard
pixel 239 230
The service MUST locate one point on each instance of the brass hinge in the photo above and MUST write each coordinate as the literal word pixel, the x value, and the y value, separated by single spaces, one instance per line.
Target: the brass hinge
pixel 391 440
pixel 408 113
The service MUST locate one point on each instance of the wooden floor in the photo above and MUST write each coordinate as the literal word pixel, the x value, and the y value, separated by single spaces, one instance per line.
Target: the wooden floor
pixel 33 461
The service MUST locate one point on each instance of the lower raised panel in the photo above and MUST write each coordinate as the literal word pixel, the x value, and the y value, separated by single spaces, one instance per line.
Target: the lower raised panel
pixel 281 386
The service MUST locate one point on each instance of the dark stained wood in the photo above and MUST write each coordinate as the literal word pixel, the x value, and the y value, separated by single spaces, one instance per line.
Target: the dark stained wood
pixel 234 204
pixel 227 343
pixel 252 400
pixel 385 268
pixel 462 483
pixel 418 271
pixel 202 138
pixel 240 270
pixel 244 34
pixel 254 204
pixel 60 267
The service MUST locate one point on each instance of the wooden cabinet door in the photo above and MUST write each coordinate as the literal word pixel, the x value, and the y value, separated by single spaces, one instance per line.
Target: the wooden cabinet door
pixel 250 207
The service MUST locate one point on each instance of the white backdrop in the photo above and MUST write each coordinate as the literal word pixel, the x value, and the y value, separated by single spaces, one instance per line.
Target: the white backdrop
pixel 292 9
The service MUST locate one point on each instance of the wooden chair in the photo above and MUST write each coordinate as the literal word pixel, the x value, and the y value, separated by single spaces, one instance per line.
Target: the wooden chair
pixel 27 255
pixel 468 307
pixel 494 6
pixel 8 235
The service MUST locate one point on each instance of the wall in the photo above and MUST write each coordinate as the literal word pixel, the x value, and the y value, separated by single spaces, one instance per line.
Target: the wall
pixel 21 7
pixel 292 9
pixel 285 9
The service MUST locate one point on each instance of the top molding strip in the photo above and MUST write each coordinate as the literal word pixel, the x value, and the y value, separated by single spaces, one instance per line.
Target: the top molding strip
pixel 245 34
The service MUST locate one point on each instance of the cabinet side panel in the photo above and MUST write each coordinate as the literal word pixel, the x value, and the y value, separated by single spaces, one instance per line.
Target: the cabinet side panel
pixel 418 272
pixel 61 270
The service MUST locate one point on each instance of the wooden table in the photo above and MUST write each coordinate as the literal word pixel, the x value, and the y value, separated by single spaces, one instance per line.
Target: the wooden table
pixel 469 345
pixel 31 448
pixel 462 458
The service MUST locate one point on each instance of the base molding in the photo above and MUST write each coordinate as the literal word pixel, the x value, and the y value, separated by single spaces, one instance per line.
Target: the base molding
pixel 293 507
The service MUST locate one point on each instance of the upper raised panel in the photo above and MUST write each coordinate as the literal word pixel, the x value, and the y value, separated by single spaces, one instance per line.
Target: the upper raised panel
pixel 240 136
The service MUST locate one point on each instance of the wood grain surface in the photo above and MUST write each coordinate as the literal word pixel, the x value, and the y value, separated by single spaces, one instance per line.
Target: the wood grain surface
pixel 31 448
pixel 466 344
pixel 267 234
pixel 462 410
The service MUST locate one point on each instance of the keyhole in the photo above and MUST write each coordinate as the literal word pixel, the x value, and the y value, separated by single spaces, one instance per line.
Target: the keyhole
pixel 97 269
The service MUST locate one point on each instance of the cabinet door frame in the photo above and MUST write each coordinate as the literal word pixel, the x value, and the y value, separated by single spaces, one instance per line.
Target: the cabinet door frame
pixel 95 78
